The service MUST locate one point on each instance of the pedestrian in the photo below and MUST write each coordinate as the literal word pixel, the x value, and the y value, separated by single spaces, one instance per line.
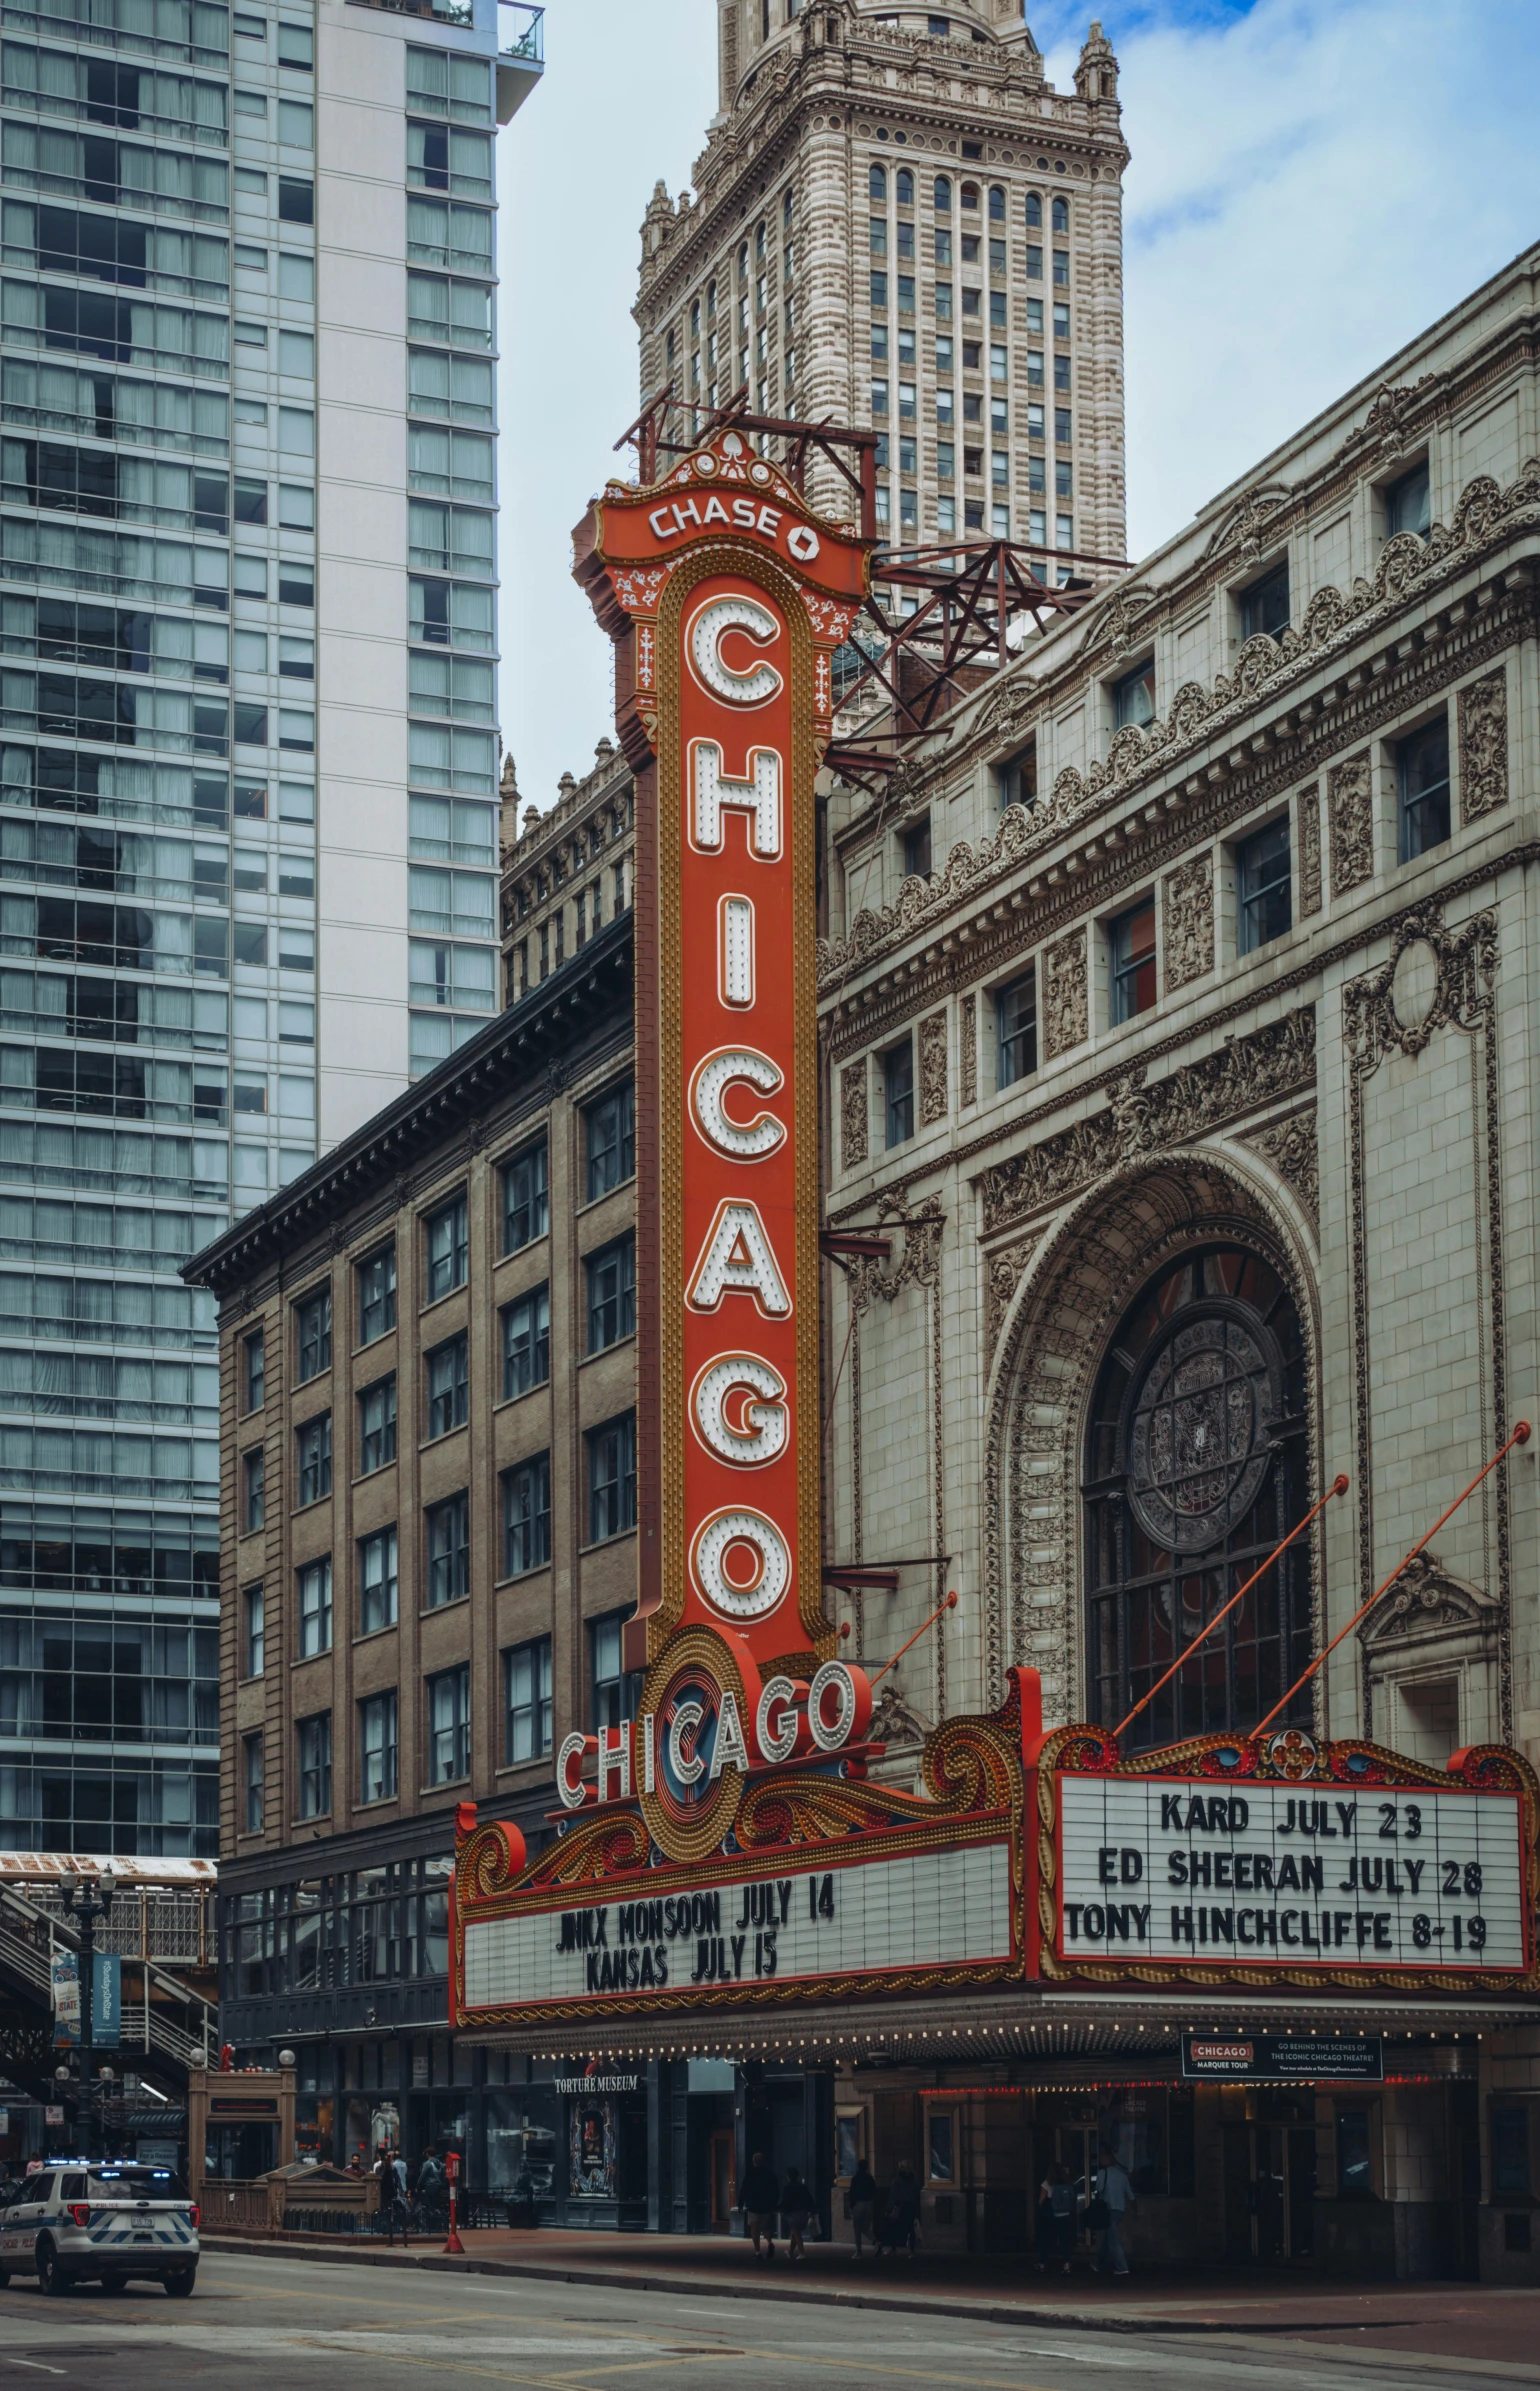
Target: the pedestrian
pixel 1114 2196
pixel 901 2224
pixel 394 2190
pixel 757 2197
pixel 863 2202
pixel 1055 2220
pixel 796 2205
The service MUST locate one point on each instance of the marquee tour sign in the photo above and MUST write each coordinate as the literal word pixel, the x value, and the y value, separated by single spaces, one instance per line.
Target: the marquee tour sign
pixel 727 1849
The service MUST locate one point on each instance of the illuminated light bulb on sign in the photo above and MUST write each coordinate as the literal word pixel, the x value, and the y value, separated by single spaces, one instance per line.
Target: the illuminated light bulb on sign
pixel 735 950
pixel 741 1563
pixel 739 1410
pixel 757 793
pixel 745 1141
pixel 753 684
pixel 737 1259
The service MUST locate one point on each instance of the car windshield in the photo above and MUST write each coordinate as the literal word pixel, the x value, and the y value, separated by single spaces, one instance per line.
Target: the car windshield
pixel 128 2182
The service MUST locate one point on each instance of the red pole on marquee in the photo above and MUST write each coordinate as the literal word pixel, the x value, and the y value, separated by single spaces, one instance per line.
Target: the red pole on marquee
pixel 950 1604
pixel 1520 1436
pixel 1338 1486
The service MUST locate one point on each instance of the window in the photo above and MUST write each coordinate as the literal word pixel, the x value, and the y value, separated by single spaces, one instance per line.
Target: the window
pixel 1409 503
pixel 449 1550
pixel 1265 605
pixel 611 1294
pixel 448 1245
pixel 1262 887
pixel 1422 790
pixel 1166 1548
pixel 313 1334
pixel 448 1385
pixel 1061 215
pixel 315 1607
pixel 610 1132
pixel 612 1478
pixel 1017 776
pixel 1133 697
pixel 254 1475
pixel 942 195
pixel 615 1690
pixel 449 1725
pixel 254 1771
pixel 1016 1030
pixel 526 1342
pixel 940 2145
pixel 1355 2173
pixel 377 1748
pixel 917 863
pixel 527 1693
pixel 377 1425
pixel 527 1516
pixel 376 1295
pixel 313 1454
pixel 898 1092
pixel 256 1631
pixel 877 182
pixel 1510 2151
pixel 378 1581
pixel 1131 958
pixel 254 1359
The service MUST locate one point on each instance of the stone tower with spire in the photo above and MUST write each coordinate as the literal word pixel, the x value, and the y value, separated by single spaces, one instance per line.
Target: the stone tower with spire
pixel 898 221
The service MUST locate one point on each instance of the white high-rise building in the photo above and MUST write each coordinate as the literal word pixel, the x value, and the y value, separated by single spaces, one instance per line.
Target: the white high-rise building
pixel 249 824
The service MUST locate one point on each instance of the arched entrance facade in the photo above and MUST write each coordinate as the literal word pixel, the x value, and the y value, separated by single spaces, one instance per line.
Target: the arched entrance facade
pixel 1154 1410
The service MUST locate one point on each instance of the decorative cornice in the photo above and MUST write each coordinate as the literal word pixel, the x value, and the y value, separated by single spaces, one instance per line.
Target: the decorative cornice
pixel 1243 1076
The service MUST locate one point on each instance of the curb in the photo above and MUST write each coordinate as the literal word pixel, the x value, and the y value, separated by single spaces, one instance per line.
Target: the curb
pixel 1075 2320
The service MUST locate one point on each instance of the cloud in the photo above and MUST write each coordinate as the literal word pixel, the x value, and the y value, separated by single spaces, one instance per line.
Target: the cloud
pixel 1313 182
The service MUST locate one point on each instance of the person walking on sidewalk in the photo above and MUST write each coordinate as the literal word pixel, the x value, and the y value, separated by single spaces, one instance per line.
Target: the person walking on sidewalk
pixel 863 2203
pixel 1055 2221
pixel 1115 2194
pixel 796 2205
pixel 901 2226
pixel 757 2198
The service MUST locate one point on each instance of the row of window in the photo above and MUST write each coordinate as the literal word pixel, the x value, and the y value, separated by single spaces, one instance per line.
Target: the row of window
pixel 526 1364
pixel 535 958
pixel 1263 871
pixel 526 1529
pixel 609 1126
pixel 446 1714
pixel 611 1459
pixel 971 200
pixel 943 293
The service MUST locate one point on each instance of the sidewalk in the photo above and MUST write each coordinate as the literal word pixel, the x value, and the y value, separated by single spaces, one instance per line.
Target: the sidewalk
pixel 1444 2319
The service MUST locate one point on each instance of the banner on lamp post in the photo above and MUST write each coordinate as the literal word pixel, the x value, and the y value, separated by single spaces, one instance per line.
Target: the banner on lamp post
pixel 65 1974
pixel 106 2000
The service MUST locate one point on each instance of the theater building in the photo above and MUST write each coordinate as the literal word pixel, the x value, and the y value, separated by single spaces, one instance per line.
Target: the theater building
pixel 1184 1117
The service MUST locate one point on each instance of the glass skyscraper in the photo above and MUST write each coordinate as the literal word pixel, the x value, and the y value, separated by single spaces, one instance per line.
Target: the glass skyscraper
pixel 248 837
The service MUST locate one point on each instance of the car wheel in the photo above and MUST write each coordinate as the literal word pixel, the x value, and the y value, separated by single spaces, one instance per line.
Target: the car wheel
pixel 114 2283
pixel 179 2286
pixel 52 2277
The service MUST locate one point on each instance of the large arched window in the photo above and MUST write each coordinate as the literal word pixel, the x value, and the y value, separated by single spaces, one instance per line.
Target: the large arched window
pixel 1195 1466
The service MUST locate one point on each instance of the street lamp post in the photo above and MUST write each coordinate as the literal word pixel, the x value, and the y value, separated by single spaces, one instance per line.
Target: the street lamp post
pixel 87 1905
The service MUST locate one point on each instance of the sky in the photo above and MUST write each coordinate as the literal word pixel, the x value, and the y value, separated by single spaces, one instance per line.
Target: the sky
pixel 1313 182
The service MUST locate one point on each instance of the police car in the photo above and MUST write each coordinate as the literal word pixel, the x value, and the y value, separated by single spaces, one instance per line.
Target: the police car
pixel 100 2220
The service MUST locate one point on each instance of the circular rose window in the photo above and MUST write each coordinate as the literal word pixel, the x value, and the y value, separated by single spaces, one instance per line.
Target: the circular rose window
pixel 1201 1432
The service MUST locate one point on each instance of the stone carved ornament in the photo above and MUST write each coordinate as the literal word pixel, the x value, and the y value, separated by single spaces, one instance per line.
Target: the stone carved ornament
pixel 1307 807
pixel 1004 1272
pixel 1484 746
pixel 1189 921
pixel 933 1105
pixel 1066 995
pixel 1244 1075
pixel 1350 812
pixel 968 1052
pixel 1407 565
pixel 896 1722
pixel 1431 976
pixel 853 1115
pixel 1426 1600
pixel 919 1265
pixel 1290 1147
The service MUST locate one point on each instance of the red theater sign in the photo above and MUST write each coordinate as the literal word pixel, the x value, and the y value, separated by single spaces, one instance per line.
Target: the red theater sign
pixel 726 596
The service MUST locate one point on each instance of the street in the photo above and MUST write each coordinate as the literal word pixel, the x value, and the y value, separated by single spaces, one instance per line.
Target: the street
pixel 287 2323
